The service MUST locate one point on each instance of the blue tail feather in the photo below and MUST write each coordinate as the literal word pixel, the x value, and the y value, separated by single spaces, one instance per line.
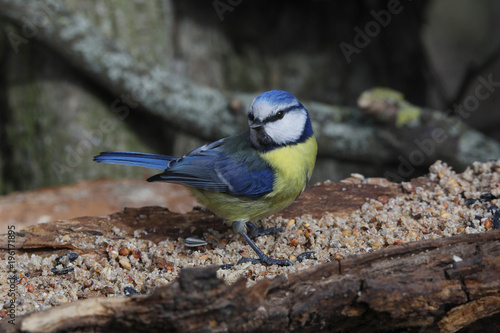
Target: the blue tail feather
pixel 132 158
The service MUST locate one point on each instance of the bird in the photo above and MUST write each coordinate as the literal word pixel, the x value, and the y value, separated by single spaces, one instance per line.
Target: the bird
pixel 248 176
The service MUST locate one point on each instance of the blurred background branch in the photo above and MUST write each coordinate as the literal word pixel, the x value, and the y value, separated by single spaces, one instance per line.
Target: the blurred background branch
pixel 159 76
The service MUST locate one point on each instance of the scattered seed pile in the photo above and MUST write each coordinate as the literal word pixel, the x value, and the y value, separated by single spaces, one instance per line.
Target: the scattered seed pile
pixel 451 204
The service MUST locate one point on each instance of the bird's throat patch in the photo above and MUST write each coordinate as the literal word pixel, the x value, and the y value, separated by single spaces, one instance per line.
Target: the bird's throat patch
pixel 293 165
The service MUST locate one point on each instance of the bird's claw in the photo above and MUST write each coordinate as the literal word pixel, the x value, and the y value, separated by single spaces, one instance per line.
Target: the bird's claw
pixel 268 261
pixel 305 255
pixel 250 260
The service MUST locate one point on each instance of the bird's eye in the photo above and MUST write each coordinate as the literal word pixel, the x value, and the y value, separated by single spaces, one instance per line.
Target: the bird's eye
pixel 280 114
pixel 251 117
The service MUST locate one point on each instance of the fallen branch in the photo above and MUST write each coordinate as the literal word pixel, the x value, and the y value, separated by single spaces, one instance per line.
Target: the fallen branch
pixel 342 132
pixel 441 285
pixel 422 135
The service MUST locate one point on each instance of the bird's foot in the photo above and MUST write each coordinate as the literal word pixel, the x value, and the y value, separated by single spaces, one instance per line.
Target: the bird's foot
pixel 267 260
pixel 250 260
pixel 271 261
pixel 280 262
pixel 263 258
pixel 305 255
pixel 254 231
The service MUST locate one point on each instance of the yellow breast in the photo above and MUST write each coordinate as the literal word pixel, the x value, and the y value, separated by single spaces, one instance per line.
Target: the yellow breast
pixel 293 166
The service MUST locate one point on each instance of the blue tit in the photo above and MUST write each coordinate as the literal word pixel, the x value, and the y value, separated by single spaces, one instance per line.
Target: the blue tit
pixel 245 177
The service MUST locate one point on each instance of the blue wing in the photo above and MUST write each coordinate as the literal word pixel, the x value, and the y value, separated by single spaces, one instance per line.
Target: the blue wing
pixel 229 165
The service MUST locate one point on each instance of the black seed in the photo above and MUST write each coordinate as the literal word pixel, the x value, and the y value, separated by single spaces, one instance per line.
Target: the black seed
pixel 62 271
pixel 305 255
pixel 72 256
pixel 470 201
pixel 492 208
pixel 487 196
pixel 495 221
pixel 129 291
pixel 495 224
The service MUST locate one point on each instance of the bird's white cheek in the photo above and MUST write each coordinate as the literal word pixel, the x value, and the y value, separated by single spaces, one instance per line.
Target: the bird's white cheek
pixel 287 130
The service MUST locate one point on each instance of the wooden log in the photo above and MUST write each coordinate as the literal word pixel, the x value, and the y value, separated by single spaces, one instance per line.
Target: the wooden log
pixel 439 285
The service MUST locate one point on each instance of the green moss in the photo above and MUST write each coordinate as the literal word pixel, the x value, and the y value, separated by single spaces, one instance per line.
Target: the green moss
pixel 384 94
pixel 408 115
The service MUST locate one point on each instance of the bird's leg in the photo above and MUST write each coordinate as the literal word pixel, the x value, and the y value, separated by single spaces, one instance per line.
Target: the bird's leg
pixel 254 231
pixel 240 227
pixel 262 256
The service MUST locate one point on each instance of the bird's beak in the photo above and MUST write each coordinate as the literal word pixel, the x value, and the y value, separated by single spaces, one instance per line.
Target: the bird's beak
pixel 256 124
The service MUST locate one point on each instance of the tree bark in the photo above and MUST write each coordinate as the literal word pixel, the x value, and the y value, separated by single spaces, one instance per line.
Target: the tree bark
pixel 342 132
pixel 438 286
pixel 424 135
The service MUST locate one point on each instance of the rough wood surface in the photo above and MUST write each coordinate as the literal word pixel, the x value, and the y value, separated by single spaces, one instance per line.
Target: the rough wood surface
pixel 439 285
pixel 160 223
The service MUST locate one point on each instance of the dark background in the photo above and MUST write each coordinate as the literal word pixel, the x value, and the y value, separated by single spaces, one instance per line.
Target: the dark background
pixel 51 110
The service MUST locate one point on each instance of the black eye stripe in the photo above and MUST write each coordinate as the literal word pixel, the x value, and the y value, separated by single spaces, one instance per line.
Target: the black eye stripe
pixel 280 114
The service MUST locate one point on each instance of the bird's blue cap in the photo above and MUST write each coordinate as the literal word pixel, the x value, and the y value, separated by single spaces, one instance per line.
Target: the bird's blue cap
pixel 276 97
